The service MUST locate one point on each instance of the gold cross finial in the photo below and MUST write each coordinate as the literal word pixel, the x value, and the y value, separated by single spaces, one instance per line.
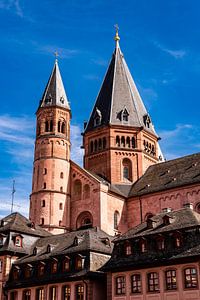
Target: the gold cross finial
pixel 117 38
pixel 56 55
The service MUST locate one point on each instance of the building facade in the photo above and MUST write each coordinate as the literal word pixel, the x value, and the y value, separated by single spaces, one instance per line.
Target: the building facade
pixel 124 184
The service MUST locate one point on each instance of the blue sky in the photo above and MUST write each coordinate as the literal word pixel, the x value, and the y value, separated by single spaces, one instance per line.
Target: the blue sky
pixel 161 44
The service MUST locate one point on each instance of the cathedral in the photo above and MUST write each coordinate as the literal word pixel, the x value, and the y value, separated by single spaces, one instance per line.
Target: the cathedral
pixel 124 226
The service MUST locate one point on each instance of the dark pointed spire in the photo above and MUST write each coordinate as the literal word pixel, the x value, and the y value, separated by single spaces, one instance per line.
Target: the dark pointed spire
pixel 54 94
pixel 119 101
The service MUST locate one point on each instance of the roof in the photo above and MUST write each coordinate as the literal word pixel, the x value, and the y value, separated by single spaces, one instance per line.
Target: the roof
pixel 179 219
pixel 170 174
pixel 118 95
pixel 185 222
pixel 18 223
pixel 54 94
pixel 90 239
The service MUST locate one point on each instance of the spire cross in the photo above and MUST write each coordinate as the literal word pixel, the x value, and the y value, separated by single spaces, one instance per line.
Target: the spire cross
pixel 56 55
pixel 117 38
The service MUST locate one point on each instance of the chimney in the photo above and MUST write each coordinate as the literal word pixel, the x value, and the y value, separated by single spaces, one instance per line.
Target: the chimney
pixel 188 205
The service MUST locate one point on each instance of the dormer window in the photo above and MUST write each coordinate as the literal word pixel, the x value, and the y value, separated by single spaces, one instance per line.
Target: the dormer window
pixel 15 273
pixel 143 245
pixel 27 271
pixel 41 269
pixel 79 262
pixel 66 264
pixel 147 120
pixel 35 251
pixel 160 243
pixel 48 99
pixel 128 248
pixel 124 115
pixel 62 100
pixel 54 266
pixel 167 220
pixel 177 239
pixel 49 248
pixel 18 240
pixel 97 117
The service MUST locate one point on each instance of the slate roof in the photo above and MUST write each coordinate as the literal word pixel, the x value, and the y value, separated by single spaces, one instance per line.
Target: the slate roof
pixel 54 94
pixel 17 223
pixel 91 239
pixel 118 93
pixel 180 219
pixel 184 221
pixel 170 174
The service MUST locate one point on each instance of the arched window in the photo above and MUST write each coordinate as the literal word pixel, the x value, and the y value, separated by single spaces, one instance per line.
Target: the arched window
pixel 77 188
pixel 86 191
pixel 42 221
pixel 45 171
pixel 100 144
pixel 61 189
pixel 63 128
pixel 46 126
pixel 45 185
pixel 127 169
pixel 43 203
pixel 128 143
pixel 91 146
pixel 59 126
pixel 38 130
pixel 104 143
pixel 95 145
pixel 116 220
pixel 123 141
pixel 117 141
pixel 197 207
pixel 85 218
pixel 61 206
pixel 133 144
pixel 51 126
pixel 61 175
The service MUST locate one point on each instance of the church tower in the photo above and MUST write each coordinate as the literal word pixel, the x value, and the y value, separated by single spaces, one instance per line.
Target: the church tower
pixel 49 203
pixel 119 139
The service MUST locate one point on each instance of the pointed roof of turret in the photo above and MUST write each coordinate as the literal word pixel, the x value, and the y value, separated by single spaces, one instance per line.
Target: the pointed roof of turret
pixel 54 93
pixel 118 101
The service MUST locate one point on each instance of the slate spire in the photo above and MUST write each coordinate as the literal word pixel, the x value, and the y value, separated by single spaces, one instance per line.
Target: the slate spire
pixel 118 101
pixel 54 93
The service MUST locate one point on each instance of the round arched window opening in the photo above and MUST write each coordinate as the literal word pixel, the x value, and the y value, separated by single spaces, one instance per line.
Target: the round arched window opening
pixel 197 207
pixel 84 219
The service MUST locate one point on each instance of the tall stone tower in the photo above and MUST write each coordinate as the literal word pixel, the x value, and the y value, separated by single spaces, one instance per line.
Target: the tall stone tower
pixel 119 139
pixel 49 203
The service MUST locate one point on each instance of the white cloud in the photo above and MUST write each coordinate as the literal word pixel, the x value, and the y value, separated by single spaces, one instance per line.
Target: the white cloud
pixel 17 137
pixel 13 5
pixel 99 62
pixel 76 142
pixel 91 77
pixel 177 54
pixel 50 49
pixel 180 141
